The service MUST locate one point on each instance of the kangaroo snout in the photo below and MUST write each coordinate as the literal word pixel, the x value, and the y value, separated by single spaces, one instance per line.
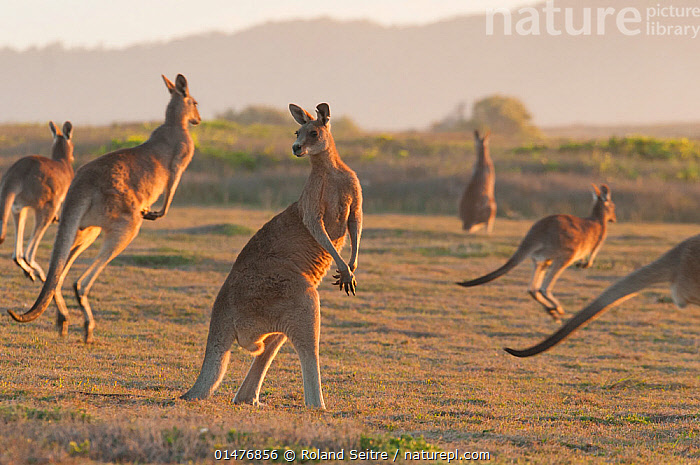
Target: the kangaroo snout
pixel 296 148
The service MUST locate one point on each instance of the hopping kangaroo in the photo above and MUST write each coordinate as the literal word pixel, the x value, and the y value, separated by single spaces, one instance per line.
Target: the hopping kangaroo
pixel 477 206
pixel 680 266
pixel 41 184
pixel 554 243
pixel 113 194
pixel 270 294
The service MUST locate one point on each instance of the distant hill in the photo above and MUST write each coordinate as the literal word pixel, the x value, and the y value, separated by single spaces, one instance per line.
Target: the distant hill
pixel 382 77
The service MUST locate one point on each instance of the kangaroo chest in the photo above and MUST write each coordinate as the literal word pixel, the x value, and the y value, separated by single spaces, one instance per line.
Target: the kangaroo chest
pixel 327 197
pixel 335 214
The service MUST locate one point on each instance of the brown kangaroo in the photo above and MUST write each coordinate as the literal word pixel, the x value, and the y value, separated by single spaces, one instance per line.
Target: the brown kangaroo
pixel 37 183
pixel 554 243
pixel 270 294
pixel 680 266
pixel 477 208
pixel 113 194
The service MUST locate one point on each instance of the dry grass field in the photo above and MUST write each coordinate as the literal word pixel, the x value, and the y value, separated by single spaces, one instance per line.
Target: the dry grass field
pixel 413 361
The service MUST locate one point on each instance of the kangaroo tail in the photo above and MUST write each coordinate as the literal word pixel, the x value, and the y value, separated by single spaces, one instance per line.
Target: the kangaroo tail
pixel 658 271
pixel 67 231
pixel 7 198
pixel 521 254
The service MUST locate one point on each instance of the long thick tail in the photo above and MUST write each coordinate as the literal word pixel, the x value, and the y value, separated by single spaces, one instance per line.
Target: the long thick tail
pixel 521 254
pixel 67 231
pixel 7 198
pixel 659 271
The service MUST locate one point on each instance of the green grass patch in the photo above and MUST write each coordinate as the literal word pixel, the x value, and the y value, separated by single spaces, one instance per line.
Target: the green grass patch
pixel 644 147
pixel 221 229
pixel 157 260
pixel 118 144
pixel 18 412
pixel 387 443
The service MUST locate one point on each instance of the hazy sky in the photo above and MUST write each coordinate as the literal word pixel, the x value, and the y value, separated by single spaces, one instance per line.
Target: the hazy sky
pixel 106 23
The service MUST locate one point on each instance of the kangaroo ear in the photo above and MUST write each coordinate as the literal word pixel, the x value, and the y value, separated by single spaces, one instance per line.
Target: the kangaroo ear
pixel 487 135
pixel 54 129
pixel 181 85
pixel 300 115
pixel 67 130
pixel 605 192
pixel 323 112
pixel 168 84
pixel 476 134
pixel 596 191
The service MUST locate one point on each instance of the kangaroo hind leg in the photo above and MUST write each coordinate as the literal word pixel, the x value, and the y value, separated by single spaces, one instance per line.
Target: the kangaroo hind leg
pixel 535 289
pixel 42 220
pixel 249 392
pixel 222 333
pixel 83 240
pixel 304 333
pixel 117 238
pixel 20 217
pixel 555 309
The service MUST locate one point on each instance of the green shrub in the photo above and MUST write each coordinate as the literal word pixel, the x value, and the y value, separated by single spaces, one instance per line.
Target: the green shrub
pixel 118 144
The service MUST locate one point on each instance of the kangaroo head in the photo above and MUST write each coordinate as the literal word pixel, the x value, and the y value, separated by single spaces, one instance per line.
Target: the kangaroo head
pixel 182 106
pixel 604 206
pixel 62 143
pixel 481 142
pixel 314 135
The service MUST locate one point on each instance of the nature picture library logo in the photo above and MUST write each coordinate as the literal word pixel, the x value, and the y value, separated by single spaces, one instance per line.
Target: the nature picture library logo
pixel 662 19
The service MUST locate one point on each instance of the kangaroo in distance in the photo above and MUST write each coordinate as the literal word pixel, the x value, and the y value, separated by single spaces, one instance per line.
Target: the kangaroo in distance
pixel 554 243
pixel 680 266
pixel 477 206
pixel 270 294
pixel 40 184
pixel 113 194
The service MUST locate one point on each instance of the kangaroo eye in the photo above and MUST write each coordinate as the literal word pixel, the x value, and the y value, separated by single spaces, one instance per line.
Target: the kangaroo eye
pixel 314 133
pixel 296 133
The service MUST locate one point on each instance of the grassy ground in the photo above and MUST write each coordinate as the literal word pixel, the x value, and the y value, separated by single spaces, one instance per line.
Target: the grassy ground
pixel 413 172
pixel 412 361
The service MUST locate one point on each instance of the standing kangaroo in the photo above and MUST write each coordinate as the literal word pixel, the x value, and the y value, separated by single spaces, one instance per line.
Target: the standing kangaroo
pixel 41 184
pixel 680 266
pixel 113 194
pixel 270 294
pixel 554 243
pixel 477 206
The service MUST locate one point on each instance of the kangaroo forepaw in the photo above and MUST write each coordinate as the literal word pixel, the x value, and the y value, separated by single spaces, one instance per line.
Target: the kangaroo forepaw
pixel 345 282
pixel 149 215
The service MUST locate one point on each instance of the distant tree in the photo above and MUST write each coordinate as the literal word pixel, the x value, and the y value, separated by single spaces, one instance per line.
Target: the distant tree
pixel 257 114
pixel 503 115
